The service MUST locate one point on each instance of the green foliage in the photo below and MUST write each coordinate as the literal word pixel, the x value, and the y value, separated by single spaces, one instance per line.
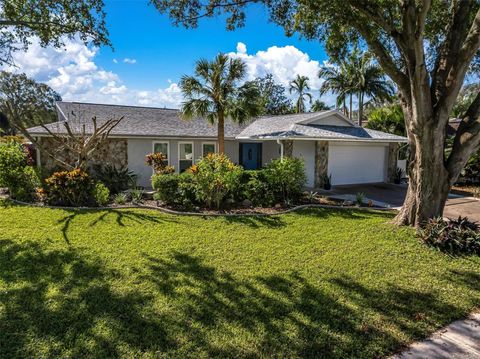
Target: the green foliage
pixel 136 195
pixel 388 119
pixel 25 102
pixel 15 173
pixel 69 188
pixel 319 105
pixel 100 194
pixel 216 180
pixel 257 189
pixel 166 187
pixel 121 198
pixel 51 21
pixel 272 97
pixel 117 179
pixel 301 88
pixel 464 100
pixel 175 189
pixel 215 93
pixel 359 198
pixel 158 161
pixel 459 236
pixel 286 177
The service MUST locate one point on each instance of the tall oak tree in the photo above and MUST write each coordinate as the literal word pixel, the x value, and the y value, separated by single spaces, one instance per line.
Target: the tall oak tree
pixel 425 46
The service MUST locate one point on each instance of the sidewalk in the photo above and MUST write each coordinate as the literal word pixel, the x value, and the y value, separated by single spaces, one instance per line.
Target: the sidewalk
pixel 459 340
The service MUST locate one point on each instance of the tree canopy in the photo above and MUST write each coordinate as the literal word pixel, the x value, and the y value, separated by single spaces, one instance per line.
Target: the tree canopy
pixel 426 47
pixel 50 21
pixel 299 85
pixel 272 96
pixel 25 103
pixel 214 92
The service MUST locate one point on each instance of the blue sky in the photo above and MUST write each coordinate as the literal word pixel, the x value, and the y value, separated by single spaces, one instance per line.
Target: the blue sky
pixel 150 55
pixel 164 51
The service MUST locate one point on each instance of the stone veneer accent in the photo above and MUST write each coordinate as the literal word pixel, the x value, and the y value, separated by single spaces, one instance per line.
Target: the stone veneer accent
pixel 288 148
pixel 113 152
pixel 321 162
pixel 392 160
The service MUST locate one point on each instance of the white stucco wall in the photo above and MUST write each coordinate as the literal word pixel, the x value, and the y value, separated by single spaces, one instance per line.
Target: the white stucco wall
pixel 306 151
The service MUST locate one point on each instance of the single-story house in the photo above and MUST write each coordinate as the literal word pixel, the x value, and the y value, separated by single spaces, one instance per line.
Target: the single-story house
pixel 327 141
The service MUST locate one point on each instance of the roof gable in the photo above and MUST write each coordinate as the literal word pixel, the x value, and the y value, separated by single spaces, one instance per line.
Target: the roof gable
pixel 328 118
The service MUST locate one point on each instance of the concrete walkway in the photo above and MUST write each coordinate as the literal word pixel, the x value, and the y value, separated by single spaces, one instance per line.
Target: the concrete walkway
pixel 459 340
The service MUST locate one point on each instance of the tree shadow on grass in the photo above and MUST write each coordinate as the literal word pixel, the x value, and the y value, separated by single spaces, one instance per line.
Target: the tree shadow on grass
pixel 57 303
pixel 257 221
pixel 289 315
pixel 122 216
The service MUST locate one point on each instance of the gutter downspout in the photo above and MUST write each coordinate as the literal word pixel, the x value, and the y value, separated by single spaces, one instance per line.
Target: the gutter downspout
pixel 281 149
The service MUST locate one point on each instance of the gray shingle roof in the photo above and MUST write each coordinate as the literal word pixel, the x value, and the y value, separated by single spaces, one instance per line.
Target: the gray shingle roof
pixel 288 126
pixel 157 122
pixel 137 121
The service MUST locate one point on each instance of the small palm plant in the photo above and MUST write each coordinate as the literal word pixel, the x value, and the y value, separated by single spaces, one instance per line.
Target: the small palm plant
pixel 213 92
pixel 300 87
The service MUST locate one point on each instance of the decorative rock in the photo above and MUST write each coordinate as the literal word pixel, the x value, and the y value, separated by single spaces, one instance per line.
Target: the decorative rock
pixel 347 203
pixel 278 205
pixel 246 203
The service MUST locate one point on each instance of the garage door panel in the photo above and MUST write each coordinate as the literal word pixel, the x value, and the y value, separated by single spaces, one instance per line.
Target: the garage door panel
pixel 351 164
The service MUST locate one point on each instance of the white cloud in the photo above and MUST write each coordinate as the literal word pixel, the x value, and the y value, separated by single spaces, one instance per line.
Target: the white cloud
pixel 284 63
pixel 73 73
pixel 129 61
pixel 115 61
pixel 241 48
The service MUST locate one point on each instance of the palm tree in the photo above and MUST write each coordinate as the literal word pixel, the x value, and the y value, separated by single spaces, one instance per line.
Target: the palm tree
pixel 337 79
pixel 300 87
pixel 214 93
pixel 319 105
pixel 369 81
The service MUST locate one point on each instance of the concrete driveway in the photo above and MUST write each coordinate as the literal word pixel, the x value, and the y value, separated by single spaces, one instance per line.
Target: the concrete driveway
pixel 394 195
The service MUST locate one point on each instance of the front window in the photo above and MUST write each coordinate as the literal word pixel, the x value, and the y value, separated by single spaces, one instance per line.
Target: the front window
pixel 161 147
pixel 208 148
pixel 185 158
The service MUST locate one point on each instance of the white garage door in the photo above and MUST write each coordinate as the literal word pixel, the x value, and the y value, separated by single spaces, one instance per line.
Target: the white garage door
pixel 350 164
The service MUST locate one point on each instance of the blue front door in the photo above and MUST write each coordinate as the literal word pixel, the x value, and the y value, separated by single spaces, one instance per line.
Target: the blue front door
pixel 250 155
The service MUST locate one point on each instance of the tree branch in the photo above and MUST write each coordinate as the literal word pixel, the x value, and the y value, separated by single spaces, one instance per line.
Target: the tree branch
pixel 467 139
pixel 459 67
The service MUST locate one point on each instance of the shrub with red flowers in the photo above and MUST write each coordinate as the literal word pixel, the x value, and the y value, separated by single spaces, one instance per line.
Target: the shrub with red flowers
pixel 158 161
pixel 69 188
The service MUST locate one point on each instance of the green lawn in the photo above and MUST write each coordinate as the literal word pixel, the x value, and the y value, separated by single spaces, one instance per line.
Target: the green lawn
pixel 133 283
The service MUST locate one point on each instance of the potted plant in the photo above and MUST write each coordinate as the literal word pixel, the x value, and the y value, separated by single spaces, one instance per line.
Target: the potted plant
pixel 398 176
pixel 327 181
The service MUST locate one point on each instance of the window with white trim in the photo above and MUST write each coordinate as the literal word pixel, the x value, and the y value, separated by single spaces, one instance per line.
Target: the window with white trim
pixel 208 147
pixel 185 155
pixel 162 147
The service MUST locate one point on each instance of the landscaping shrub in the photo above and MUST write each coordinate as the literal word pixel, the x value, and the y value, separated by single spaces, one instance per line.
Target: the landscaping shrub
pixel 159 163
pixel 116 179
pixel 121 198
pixel 216 180
pixel 137 195
pixel 186 191
pixel 70 188
pixel 286 178
pixel 459 236
pixel 166 186
pixel 101 194
pixel 15 172
pixel 256 188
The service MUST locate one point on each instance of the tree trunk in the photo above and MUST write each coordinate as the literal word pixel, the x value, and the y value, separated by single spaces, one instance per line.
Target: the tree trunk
pixel 429 179
pixel 360 108
pixel 221 133
pixel 350 115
